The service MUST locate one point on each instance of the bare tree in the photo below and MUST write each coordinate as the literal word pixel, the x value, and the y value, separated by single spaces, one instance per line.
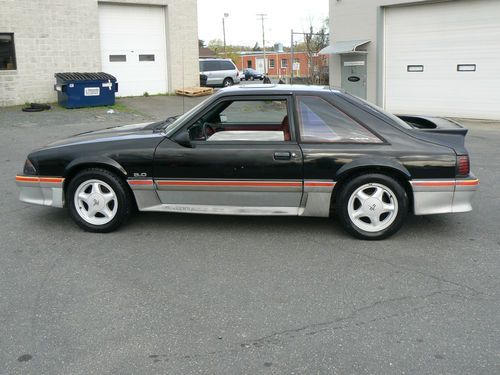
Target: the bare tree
pixel 313 43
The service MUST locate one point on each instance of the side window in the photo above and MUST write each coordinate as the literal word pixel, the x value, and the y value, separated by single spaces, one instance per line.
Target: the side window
pixel 244 120
pixel 322 122
pixel 210 66
pixel 227 65
pixel 256 111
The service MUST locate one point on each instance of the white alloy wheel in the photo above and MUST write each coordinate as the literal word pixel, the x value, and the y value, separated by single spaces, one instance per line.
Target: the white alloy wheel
pixel 372 207
pixel 95 202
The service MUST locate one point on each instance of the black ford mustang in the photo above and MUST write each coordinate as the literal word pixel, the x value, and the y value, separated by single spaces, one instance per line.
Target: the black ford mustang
pixel 261 150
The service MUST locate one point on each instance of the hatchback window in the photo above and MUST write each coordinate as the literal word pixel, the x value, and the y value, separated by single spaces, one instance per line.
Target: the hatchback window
pixel 322 122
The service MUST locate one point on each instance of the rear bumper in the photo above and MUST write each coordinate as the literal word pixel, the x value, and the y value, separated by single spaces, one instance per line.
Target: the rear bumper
pixel 443 196
pixel 44 191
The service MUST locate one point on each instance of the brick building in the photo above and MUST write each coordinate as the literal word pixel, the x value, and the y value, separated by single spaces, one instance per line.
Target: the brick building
pixel 279 64
pixel 149 45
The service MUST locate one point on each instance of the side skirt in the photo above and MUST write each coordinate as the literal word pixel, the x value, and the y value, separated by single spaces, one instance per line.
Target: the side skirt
pixel 315 202
pixel 225 210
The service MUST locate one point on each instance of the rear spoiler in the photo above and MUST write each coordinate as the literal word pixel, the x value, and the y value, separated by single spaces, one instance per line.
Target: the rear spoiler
pixel 434 124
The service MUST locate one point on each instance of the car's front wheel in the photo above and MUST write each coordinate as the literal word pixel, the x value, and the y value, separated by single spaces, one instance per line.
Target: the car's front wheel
pixel 227 82
pixel 98 200
pixel 372 206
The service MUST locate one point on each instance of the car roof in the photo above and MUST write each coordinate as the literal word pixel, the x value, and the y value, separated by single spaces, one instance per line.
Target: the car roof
pixel 213 59
pixel 273 89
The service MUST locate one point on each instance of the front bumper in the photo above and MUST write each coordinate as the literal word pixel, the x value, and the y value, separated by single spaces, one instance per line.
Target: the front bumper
pixel 443 196
pixel 45 191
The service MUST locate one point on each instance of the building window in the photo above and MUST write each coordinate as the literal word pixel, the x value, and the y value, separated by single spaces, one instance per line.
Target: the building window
pixel 117 58
pixel 284 63
pixel 7 52
pixel 146 57
pixel 415 68
pixel 296 61
pixel 271 63
pixel 249 64
pixel 466 67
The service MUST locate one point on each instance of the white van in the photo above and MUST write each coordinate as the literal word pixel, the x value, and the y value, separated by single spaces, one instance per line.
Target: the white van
pixel 219 72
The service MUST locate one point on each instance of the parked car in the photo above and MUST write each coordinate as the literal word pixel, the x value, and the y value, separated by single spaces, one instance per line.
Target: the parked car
pixel 251 74
pixel 261 150
pixel 219 72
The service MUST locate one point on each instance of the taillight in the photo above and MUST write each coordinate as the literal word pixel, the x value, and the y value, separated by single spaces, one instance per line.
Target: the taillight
pixel 463 165
pixel 29 168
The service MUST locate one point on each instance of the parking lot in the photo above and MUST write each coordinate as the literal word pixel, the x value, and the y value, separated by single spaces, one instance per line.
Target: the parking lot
pixel 182 294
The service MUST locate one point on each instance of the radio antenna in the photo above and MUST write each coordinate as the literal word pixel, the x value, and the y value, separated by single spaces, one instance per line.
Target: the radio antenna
pixel 183 96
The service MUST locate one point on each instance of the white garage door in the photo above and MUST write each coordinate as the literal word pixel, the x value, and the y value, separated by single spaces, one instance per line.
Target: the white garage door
pixel 443 59
pixel 133 47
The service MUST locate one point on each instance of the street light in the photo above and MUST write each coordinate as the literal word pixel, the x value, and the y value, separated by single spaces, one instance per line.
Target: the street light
pixel 224 32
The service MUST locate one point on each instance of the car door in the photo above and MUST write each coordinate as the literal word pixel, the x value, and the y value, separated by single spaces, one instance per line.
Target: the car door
pixel 210 69
pixel 242 158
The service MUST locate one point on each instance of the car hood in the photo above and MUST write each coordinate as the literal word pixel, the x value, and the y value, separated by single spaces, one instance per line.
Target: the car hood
pixel 142 130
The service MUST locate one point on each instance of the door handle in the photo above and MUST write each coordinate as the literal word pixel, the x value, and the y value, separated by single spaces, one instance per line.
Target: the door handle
pixel 282 155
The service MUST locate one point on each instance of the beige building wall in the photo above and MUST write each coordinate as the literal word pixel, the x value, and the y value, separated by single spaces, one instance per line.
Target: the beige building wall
pixel 63 36
pixel 357 20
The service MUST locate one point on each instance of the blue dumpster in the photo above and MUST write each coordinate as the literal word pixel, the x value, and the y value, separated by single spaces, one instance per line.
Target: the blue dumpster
pixel 76 90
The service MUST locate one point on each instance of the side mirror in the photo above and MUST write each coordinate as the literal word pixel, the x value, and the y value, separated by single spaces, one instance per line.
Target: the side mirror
pixel 183 139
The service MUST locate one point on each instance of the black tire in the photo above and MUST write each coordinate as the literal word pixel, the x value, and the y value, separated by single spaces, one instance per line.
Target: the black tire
pixel 40 105
pixel 227 82
pixel 392 192
pixel 30 109
pixel 124 199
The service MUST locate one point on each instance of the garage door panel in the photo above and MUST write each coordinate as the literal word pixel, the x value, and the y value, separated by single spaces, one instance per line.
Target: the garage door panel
pixel 440 36
pixel 134 31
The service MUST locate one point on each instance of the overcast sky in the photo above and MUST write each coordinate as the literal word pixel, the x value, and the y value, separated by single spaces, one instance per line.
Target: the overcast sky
pixel 243 26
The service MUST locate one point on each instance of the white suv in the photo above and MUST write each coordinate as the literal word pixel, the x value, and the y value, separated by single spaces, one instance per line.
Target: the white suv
pixel 219 72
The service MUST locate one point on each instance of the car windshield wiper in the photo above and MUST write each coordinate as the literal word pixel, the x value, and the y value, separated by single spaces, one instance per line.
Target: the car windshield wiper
pixel 165 124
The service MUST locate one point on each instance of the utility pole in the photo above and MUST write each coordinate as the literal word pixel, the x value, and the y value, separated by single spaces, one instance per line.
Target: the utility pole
pixel 291 57
pixel 262 18
pixel 224 32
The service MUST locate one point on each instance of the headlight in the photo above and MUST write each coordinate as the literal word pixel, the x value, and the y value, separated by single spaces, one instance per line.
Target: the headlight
pixel 29 168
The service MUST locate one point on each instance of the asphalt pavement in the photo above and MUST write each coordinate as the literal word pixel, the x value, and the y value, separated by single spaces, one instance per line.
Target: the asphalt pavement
pixel 202 294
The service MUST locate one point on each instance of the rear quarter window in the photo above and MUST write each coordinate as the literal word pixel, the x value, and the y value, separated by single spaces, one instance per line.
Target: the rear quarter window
pixel 322 122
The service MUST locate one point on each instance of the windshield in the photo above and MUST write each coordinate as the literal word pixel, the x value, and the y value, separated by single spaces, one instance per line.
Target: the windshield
pixel 372 108
pixel 171 125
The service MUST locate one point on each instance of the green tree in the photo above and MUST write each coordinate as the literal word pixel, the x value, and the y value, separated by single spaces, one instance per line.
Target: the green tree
pixel 216 45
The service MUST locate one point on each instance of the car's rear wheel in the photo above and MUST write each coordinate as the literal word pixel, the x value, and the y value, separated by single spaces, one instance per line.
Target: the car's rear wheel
pixel 372 206
pixel 227 82
pixel 98 200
